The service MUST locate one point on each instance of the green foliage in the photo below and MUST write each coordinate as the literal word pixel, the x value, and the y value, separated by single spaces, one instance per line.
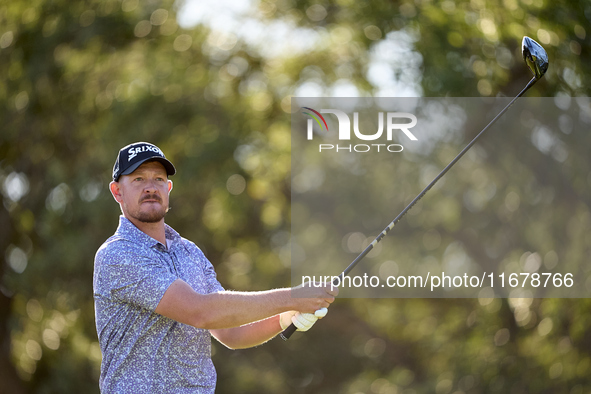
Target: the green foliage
pixel 80 79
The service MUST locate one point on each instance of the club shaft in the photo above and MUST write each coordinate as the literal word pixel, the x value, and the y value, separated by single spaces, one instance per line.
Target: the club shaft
pixel 433 182
pixel 291 329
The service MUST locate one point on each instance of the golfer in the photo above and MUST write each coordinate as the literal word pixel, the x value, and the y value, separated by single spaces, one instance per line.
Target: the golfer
pixel 157 299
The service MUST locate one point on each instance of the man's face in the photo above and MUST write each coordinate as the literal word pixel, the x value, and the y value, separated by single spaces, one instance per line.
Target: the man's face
pixel 143 194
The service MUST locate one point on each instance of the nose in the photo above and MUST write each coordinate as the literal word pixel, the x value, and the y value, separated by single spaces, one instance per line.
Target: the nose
pixel 150 186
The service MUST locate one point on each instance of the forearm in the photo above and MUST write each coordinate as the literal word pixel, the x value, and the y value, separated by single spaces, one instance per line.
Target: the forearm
pixel 249 335
pixel 224 309
pixel 235 309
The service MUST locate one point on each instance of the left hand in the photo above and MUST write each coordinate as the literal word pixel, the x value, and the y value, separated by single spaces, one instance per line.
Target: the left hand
pixel 303 321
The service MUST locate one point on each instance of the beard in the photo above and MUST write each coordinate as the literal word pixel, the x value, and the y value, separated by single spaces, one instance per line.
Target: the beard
pixel 153 214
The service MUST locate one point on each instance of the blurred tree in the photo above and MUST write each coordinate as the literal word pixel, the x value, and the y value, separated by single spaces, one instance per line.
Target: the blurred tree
pixel 83 78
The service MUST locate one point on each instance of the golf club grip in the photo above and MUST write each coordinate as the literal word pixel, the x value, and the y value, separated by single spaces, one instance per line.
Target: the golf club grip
pixel 288 332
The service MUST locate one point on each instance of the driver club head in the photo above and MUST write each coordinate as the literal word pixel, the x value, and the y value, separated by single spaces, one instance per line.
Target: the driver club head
pixel 535 57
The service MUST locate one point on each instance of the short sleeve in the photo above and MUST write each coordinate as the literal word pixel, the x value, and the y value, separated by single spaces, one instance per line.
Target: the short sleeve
pixel 213 284
pixel 133 278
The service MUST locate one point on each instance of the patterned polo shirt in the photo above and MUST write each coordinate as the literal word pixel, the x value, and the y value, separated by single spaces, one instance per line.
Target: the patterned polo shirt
pixel 144 352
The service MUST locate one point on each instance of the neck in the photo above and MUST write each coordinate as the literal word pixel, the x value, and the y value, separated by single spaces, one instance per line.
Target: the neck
pixel 154 230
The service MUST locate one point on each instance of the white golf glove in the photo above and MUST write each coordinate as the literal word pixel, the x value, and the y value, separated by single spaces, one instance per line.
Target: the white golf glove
pixel 303 321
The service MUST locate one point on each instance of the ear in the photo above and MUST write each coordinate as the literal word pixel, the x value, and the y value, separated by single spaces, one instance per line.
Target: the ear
pixel 116 191
pixel 169 185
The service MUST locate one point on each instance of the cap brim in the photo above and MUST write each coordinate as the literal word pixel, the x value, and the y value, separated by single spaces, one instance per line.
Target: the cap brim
pixel 170 170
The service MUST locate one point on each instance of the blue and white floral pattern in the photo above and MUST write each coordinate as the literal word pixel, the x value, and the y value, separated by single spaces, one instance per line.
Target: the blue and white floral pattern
pixel 144 352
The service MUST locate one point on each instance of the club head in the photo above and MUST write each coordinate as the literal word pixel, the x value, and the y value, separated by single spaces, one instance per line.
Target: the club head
pixel 535 57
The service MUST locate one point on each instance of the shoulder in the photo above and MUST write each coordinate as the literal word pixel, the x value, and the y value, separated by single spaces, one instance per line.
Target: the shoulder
pixel 119 248
pixel 190 246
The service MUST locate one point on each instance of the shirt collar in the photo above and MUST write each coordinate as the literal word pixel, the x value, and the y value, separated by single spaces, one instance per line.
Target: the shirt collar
pixel 171 235
pixel 129 231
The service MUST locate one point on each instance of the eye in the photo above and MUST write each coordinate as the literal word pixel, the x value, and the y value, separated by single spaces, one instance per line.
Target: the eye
pixel 138 179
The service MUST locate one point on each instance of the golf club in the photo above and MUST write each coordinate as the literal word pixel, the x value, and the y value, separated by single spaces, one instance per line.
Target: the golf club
pixel 537 60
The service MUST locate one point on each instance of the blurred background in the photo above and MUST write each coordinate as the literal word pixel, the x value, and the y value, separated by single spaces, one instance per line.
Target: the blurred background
pixel 211 84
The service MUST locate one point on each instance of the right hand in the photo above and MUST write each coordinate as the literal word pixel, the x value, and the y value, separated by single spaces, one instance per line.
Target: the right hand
pixel 310 297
